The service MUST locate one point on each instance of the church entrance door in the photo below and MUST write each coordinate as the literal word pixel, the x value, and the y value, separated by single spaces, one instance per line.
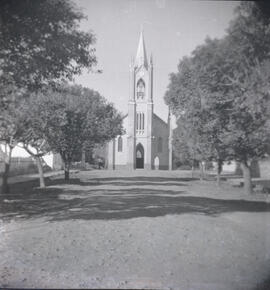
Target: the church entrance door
pixel 139 156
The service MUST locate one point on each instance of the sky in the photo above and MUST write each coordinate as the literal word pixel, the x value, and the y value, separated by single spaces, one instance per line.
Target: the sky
pixel 172 29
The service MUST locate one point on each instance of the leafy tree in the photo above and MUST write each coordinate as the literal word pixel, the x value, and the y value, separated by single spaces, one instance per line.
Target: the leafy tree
pixel 237 96
pixel 41 42
pixel 248 48
pixel 247 133
pixel 73 118
pixel 40 45
pixel 207 59
pixel 232 75
pixel 186 95
pixel 180 148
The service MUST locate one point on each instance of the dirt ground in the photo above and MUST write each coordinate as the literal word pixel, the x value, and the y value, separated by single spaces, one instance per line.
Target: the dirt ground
pixel 158 230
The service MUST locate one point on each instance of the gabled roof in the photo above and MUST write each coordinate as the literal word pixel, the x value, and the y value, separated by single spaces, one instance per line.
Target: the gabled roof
pixel 154 115
pixel 160 120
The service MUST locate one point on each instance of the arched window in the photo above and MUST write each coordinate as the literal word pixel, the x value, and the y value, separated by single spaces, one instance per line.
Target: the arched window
pixel 140 123
pixel 159 144
pixel 140 89
pixel 120 144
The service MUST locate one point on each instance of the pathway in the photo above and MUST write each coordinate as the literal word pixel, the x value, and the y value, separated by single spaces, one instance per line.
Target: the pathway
pixel 156 229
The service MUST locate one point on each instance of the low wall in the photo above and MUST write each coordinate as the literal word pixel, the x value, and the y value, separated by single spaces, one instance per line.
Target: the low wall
pixel 19 166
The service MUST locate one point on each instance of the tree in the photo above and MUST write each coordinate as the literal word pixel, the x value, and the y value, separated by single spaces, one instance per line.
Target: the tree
pixel 247 134
pixel 40 45
pixel 248 47
pixel 41 42
pixel 207 59
pixel 187 95
pixel 236 79
pixel 232 75
pixel 74 118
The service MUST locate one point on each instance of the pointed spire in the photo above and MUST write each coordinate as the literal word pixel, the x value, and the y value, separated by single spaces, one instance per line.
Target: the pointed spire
pixel 141 57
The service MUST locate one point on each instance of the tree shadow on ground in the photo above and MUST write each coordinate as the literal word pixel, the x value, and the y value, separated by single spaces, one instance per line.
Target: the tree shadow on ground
pixel 74 181
pixel 145 179
pixel 79 202
pixel 124 181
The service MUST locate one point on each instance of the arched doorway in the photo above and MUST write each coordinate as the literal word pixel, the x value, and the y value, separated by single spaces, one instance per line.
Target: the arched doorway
pixel 139 156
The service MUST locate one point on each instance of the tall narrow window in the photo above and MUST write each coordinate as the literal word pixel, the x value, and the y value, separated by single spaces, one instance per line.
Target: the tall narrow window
pixel 137 121
pixel 120 144
pixel 140 89
pixel 159 144
pixel 140 123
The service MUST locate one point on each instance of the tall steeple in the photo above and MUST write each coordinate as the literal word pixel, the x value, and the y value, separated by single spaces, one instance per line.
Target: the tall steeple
pixel 140 110
pixel 141 57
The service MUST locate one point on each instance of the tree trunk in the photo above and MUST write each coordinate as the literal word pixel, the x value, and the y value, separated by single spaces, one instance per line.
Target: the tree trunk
pixel 192 168
pixel 201 171
pixel 40 171
pixel 83 160
pixel 219 169
pixel 5 186
pixel 66 169
pixel 247 177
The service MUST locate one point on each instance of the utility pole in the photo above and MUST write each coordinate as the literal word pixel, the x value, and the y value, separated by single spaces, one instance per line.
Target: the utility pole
pixel 170 138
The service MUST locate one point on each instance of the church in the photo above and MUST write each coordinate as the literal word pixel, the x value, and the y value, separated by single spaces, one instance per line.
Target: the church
pixel 147 138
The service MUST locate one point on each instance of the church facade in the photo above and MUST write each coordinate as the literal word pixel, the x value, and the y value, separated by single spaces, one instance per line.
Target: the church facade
pixel 145 144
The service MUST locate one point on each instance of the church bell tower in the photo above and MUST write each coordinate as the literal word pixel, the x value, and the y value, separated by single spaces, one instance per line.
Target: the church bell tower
pixel 140 110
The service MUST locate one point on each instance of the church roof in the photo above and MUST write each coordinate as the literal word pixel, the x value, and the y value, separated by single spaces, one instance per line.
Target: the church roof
pixel 160 120
pixel 141 57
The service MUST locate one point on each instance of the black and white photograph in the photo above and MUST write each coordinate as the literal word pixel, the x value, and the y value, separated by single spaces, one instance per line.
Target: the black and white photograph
pixel 135 144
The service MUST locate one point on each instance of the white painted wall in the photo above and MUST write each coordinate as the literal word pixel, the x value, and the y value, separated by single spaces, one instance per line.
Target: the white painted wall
pixel 20 152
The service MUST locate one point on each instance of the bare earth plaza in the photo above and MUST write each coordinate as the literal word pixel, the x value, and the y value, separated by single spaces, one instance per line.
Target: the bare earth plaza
pixel 134 144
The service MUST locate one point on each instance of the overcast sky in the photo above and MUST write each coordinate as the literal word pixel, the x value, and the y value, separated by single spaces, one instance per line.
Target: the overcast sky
pixel 172 29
